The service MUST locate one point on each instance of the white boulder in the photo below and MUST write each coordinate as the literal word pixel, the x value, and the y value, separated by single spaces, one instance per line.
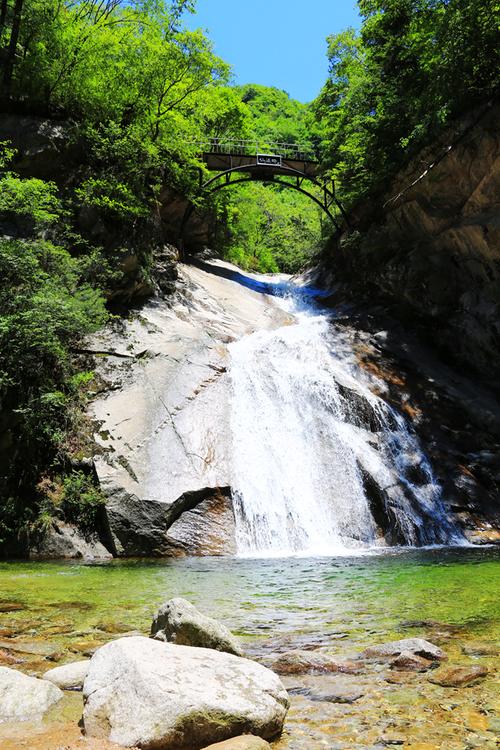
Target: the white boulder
pixel 69 676
pixel 24 698
pixel 145 693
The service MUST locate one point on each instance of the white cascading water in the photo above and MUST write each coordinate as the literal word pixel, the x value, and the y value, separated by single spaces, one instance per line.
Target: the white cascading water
pixel 307 432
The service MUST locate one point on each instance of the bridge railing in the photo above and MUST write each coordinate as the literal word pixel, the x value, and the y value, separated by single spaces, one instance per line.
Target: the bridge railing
pixel 298 151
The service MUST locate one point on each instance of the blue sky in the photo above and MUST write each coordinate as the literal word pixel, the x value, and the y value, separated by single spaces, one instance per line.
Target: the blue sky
pixel 275 42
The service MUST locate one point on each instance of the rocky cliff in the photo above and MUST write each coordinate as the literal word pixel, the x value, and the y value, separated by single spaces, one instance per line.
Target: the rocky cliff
pixel 430 246
pixel 162 418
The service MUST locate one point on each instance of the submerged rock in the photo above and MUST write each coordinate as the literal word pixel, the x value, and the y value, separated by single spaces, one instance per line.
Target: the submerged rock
pixel 307 662
pixel 178 621
pixel 458 676
pixel 481 649
pixel 24 698
pixel 11 606
pixel 35 648
pixel 407 661
pixel 69 676
pixel 418 646
pixel 142 692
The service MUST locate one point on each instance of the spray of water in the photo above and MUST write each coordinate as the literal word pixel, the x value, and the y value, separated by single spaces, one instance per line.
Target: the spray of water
pixel 308 434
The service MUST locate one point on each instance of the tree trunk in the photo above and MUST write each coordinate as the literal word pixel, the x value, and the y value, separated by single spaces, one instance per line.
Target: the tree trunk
pixel 11 50
pixel 3 14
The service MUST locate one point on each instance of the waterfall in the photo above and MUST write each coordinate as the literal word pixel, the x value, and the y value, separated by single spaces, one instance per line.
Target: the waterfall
pixel 315 452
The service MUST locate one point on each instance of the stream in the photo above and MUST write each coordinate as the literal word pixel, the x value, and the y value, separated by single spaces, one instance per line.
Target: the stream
pixel 342 535
pixel 338 604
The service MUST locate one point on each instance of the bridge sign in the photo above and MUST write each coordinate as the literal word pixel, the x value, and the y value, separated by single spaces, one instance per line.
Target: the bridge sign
pixel 269 160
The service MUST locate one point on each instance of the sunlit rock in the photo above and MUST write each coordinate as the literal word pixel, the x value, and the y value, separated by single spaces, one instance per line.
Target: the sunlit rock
pixel 178 621
pixel 140 692
pixel 418 646
pixel 24 698
pixel 68 676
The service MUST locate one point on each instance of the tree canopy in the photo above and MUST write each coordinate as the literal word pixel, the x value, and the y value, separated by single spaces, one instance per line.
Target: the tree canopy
pixel 392 87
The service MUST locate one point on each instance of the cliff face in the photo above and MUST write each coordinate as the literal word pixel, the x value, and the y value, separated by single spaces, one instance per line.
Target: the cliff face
pixel 432 245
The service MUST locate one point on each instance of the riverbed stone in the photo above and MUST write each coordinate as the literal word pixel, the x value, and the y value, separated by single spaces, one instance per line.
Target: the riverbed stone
pixel 481 649
pixel 34 648
pixel 69 676
pixel 141 692
pixel 24 698
pixel 418 646
pixel 310 662
pixel 407 661
pixel 7 658
pixel 245 742
pixel 11 606
pixel 178 621
pixel 458 675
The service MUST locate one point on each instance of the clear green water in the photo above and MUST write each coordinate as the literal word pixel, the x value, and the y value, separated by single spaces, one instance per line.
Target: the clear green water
pixel 365 597
pixel 339 604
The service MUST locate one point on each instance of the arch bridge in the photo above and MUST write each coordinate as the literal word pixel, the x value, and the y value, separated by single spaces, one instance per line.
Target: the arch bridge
pixel 237 161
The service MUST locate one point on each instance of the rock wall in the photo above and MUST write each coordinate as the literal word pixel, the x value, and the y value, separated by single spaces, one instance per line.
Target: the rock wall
pixel 431 246
pixel 162 416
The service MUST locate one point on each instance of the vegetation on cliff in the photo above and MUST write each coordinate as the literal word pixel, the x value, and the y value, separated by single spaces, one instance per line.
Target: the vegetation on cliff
pixel 134 92
pixel 413 67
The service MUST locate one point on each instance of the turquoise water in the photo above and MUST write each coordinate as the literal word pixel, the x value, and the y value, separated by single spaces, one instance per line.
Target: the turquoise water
pixel 364 596
pixel 340 605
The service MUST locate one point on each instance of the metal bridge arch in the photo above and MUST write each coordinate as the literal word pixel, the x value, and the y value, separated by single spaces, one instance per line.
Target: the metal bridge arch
pixel 235 158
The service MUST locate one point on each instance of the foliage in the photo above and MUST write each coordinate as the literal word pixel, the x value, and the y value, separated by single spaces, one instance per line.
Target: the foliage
pixel 30 197
pixel 270 228
pixel 392 88
pixel 45 308
pixel 275 116
pixel 73 498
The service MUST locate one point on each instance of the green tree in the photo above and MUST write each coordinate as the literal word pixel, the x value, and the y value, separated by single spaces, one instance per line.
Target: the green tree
pixel 391 89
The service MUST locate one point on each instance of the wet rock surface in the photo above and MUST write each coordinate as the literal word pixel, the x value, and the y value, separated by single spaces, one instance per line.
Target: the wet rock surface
pixel 455 415
pixel 177 621
pixel 413 646
pixel 166 456
pixel 458 676
pixel 306 662
pixel 207 529
pixel 407 661
pixel 142 692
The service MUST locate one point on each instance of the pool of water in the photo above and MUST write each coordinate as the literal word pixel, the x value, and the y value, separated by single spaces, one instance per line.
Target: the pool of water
pixel 340 605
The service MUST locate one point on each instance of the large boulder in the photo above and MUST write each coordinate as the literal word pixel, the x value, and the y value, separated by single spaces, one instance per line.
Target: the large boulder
pixel 69 676
pixel 24 698
pixel 179 622
pixel 144 693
